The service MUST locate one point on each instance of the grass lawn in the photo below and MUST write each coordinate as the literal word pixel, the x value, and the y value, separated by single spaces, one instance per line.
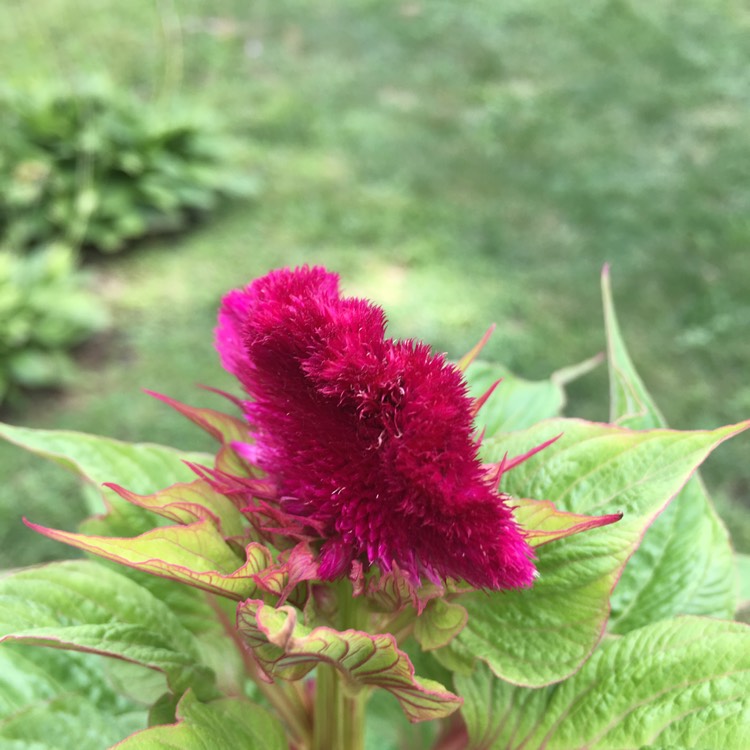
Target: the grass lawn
pixel 461 163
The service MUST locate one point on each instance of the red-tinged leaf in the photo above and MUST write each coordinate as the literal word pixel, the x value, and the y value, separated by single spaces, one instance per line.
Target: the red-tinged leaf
pixel 472 354
pixel 295 566
pixel 188 502
pixel 195 554
pixel 542 522
pixel 480 401
pixel 391 592
pixel 223 427
pixel 229 461
pixel 142 467
pixel 286 648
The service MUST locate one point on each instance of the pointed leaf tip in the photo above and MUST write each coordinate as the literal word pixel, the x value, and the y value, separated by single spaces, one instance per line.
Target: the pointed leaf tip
pixel 187 502
pixel 222 427
pixel 684 563
pixel 482 400
pixel 473 353
pixel 195 554
pixel 507 465
pixel 542 522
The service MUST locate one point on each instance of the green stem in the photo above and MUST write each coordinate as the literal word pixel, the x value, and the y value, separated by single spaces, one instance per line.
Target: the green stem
pixel 353 721
pixel 327 724
pixel 339 720
pixel 284 698
pixel 339 717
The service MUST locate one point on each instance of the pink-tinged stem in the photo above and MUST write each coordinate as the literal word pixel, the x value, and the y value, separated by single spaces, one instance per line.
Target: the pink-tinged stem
pixel 284 698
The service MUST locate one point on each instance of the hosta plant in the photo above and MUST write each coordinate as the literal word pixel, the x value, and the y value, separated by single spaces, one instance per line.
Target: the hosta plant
pixel 387 550
pixel 46 309
pixel 101 168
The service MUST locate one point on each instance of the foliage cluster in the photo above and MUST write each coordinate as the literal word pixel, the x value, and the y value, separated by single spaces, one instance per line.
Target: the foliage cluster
pixel 626 639
pixel 89 167
pixel 46 309
pixel 99 168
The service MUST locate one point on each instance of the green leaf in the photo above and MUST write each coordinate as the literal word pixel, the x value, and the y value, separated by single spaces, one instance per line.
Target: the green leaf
pixel 46 695
pixel 681 683
pixel 684 564
pixel 83 606
pixel 516 403
pixel 544 634
pixel 196 554
pixel 187 502
pixel 386 727
pixel 286 648
pixel 438 625
pixel 133 681
pixel 209 619
pixel 743 607
pixel 141 467
pixel 145 468
pixel 226 724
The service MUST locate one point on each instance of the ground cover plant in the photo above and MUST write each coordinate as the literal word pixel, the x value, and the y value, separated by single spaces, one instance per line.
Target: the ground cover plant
pixel 355 524
pixel 36 336
pixel 93 166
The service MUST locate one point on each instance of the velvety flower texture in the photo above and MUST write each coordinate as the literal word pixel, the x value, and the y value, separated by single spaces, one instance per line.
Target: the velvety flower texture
pixel 368 441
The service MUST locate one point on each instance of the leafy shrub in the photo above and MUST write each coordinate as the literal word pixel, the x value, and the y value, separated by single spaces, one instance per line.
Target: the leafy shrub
pixel 45 310
pixel 99 168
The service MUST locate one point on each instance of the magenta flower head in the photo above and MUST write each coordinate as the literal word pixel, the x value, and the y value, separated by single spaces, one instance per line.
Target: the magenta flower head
pixel 368 442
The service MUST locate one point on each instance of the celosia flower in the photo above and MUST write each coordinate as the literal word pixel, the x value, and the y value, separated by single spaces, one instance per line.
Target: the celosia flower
pixel 368 442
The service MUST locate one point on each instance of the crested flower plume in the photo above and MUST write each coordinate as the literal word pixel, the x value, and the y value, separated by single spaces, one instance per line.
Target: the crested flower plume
pixel 367 443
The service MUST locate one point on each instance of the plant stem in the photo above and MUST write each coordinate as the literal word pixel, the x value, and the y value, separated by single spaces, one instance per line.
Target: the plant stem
pixel 339 717
pixel 339 720
pixel 328 725
pixel 284 698
pixel 353 721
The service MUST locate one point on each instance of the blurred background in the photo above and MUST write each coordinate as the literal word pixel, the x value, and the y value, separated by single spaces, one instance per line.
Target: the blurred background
pixel 460 163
